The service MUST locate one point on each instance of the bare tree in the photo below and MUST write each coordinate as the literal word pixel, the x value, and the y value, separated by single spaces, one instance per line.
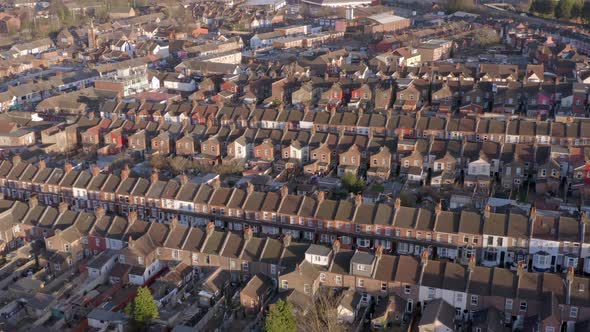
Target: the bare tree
pixel 230 167
pixel 178 164
pixel 159 162
pixel 322 316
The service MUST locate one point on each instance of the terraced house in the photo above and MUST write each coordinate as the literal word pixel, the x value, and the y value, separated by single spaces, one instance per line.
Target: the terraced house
pixel 522 298
pixel 546 240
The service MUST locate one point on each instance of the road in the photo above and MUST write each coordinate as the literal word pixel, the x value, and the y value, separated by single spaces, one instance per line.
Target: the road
pixel 493 9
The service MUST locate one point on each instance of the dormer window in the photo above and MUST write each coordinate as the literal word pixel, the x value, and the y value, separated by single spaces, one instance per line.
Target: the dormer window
pixel 407 289
pixel 574 312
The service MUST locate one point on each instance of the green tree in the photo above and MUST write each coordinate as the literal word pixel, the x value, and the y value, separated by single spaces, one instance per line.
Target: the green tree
pixel 353 183
pixel 280 318
pixel 377 188
pixel 544 7
pixel 585 15
pixel 459 5
pixel 577 10
pixel 143 309
pixel 564 9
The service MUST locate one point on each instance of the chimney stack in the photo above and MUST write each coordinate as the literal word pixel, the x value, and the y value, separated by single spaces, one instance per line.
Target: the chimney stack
pixel 63 207
pixel 216 183
pixel 68 167
pixel 42 164
pixel 284 191
pixel 424 258
pixel 132 217
pixel 210 228
pixel 569 282
pixel 248 233
pixel 125 173
pixel 533 213
pixel 16 159
pixel 471 264
pixel 250 188
pixel 379 251
pixel 358 200
pixel 488 211
pixel 95 171
pixel 287 239
pixel 173 223
pixel 336 246
pixel 33 201
pixel 155 176
pixel 183 179
pixel 438 209
pixel 398 203
pixel 99 212
pixel 520 268
pixel 321 196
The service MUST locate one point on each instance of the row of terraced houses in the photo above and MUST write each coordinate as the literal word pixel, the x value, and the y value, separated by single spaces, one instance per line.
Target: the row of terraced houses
pixel 544 240
pixel 403 283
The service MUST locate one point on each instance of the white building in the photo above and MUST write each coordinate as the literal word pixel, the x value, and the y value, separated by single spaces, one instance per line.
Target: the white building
pixel 479 167
pixel 338 3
